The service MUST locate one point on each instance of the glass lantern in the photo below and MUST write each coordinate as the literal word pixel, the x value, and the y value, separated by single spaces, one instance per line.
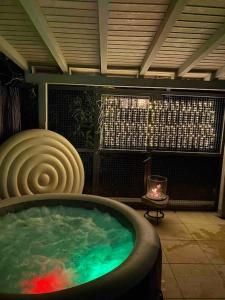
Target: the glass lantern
pixel 156 187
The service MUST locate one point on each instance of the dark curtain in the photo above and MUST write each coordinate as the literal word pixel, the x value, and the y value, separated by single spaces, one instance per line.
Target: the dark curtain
pixel 10 112
pixel 2 111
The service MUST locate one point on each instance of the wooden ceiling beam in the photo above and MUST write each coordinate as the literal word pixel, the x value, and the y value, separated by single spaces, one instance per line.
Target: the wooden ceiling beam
pixel 90 80
pixel 103 33
pixel 203 51
pixel 175 9
pixel 220 72
pixel 156 73
pixel 121 72
pixel 13 54
pixel 200 74
pixel 37 17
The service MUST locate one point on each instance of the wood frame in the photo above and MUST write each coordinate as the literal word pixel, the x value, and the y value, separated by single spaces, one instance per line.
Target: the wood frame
pixel 13 54
pixel 220 72
pixel 37 18
pixel 43 105
pixel 203 51
pixel 81 79
pixel 103 33
pixel 174 11
pixel 221 202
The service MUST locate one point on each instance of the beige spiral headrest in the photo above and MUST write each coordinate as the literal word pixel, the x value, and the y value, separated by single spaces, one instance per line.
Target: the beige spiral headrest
pixel 39 161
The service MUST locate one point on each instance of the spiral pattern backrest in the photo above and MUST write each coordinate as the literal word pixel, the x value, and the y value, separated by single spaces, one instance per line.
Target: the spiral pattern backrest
pixel 39 161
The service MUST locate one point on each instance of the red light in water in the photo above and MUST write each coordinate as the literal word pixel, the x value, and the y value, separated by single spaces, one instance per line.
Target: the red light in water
pixel 53 281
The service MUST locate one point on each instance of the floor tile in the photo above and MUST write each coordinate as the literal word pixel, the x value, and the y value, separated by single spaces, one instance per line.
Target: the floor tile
pixel 140 212
pixel 215 251
pixel 199 281
pixel 164 258
pixel 170 288
pixel 193 246
pixel 206 232
pixel 172 231
pixel 192 217
pixel 214 218
pixel 221 271
pixel 170 217
pixel 184 252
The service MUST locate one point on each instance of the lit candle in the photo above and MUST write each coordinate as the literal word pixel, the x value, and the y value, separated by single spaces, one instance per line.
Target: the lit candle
pixel 156 192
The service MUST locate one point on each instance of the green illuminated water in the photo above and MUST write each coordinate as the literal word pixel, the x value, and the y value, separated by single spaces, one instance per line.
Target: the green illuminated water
pixel 43 249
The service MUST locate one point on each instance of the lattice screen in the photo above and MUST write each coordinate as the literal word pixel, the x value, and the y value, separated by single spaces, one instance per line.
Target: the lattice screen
pixel 124 122
pixel 121 174
pixel 189 177
pixel 131 123
pixel 71 112
pixel 87 160
pixel 186 123
pixel 173 123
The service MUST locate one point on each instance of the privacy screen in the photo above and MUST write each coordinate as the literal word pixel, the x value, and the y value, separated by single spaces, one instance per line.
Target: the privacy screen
pixel 168 122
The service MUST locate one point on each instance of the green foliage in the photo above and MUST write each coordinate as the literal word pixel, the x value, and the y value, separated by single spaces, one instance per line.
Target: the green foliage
pixel 82 111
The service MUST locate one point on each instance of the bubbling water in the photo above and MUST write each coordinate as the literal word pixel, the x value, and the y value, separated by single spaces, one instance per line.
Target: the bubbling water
pixel 45 249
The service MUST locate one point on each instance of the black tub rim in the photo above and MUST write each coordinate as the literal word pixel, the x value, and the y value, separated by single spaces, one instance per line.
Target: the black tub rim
pixel 119 280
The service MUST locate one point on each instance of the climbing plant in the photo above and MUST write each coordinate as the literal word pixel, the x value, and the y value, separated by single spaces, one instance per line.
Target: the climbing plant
pixel 72 113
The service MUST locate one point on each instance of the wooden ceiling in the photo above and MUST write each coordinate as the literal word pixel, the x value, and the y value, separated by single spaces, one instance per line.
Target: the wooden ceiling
pixel 151 38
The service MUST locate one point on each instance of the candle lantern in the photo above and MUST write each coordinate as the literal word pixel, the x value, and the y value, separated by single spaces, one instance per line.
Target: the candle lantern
pixel 156 187
pixel 155 198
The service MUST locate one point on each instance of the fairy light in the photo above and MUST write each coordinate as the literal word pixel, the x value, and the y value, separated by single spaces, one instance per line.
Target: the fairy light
pixel 124 122
pixel 169 123
pixel 184 124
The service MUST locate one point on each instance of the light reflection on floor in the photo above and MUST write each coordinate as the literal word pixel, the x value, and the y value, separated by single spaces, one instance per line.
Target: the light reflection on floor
pixel 193 246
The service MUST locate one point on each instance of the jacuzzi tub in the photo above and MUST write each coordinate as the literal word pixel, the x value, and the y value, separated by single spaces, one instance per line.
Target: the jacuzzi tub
pixel 138 277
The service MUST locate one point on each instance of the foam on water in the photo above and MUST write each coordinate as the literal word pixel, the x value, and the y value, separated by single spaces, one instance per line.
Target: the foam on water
pixel 44 249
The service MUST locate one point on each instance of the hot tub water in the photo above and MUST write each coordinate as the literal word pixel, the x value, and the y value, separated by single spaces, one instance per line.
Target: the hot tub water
pixel 45 249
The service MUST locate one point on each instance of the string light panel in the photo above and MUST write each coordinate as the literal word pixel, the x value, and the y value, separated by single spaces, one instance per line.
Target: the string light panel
pixel 185 123
pixel 124 122
pixel 171 123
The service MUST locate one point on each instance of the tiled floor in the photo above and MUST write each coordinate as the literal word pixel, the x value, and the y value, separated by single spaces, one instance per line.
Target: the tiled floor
pixel 193 246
